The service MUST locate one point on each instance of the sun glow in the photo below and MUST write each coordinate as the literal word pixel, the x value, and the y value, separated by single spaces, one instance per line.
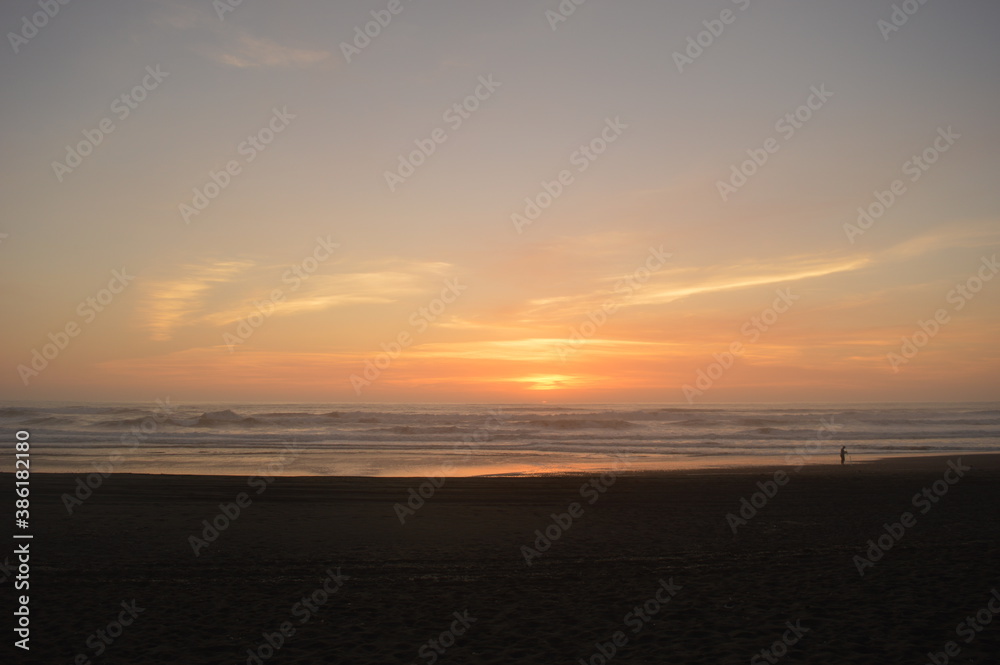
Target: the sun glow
pixel 550 381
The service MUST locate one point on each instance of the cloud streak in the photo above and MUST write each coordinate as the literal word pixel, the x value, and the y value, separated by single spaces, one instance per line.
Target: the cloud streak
pixel 173 303
pixel 246 51
pixel 228 44
pixel 217 294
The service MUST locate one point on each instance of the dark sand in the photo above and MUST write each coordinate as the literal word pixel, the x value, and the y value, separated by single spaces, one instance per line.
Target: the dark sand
pixel 461 551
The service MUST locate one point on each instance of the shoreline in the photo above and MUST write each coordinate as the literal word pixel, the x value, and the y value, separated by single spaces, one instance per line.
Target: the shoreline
pixel 894 462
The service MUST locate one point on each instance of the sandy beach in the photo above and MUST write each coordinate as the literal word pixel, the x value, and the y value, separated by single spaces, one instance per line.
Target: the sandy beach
pixel 649 568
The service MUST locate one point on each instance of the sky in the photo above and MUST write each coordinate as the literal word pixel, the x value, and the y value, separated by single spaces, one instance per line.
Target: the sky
pixel 471 201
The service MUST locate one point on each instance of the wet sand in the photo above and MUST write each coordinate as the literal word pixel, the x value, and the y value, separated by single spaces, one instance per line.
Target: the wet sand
pixel 649 560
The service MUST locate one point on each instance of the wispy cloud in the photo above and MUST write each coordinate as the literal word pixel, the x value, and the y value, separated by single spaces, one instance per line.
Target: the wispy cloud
pixel 216 294
pixel 249 51
pixel 538 349
pixel 740 278
pixel 229 44
pixel 172 303
pixel 960 235
pixel 383 282
pixel 672 284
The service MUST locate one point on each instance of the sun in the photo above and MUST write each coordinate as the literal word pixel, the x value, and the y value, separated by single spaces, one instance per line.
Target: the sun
pixel 549 381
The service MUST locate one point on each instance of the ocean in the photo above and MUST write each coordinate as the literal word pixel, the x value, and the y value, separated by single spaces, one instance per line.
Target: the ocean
pixel 468 440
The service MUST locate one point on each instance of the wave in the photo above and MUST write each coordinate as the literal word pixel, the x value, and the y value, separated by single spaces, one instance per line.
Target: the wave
pixel 224 418
pixel 696 422
pixel 47 420
pixel 934 422
pixel 17 412
pixel 92 410
pixel 409 429
pixel 760 422
pixel 574 423
pixel 122 422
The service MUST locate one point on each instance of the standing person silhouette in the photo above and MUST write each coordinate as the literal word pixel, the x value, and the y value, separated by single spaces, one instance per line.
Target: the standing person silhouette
pixel 843 454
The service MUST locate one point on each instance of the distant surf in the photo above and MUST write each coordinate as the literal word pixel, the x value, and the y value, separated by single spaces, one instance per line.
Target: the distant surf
pixel 420 439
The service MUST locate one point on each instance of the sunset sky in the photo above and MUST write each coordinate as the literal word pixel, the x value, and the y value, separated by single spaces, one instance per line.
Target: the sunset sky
pixel 640 250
